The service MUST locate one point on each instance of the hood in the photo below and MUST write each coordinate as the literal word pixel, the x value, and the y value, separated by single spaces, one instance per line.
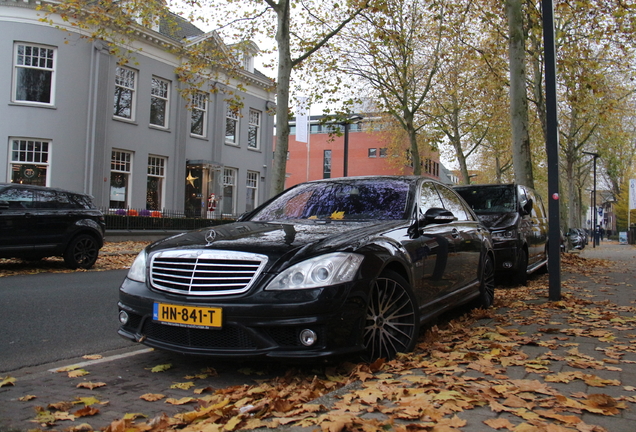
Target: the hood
pixel 287 242
pixel 499 220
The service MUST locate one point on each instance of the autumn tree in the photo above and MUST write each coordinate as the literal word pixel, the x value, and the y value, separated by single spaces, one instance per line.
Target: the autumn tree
pixel 397 53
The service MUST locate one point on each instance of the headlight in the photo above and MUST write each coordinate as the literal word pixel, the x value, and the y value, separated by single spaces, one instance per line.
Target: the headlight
pixel 318 272
pixel 504 234
pixel 137 270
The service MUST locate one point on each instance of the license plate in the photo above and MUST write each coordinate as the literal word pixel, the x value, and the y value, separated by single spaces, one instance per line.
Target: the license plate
pixel 187 316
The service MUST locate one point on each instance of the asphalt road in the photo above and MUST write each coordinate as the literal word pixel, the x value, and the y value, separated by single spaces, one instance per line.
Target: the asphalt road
pixel 50 317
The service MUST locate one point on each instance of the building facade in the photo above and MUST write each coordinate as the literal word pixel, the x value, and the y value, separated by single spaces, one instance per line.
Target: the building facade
pixel 74 117
pixel 323 156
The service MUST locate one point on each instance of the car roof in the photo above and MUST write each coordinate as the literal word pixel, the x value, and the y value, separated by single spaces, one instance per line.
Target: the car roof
pixel 36 187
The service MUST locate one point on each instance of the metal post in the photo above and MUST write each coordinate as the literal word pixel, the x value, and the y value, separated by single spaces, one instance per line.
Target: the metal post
pixel 594 234
pixel 346 150
pixel 552 149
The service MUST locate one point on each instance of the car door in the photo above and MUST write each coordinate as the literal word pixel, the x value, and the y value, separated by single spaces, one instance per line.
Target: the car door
pixel 16 234
pixel 539 227
pixel 52 219
pixel 433 250
pixel 467 234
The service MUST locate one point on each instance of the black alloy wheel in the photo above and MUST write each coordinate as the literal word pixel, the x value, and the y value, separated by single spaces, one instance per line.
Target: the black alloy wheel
pixel 81 252
pixel 393 320
pixel 487 283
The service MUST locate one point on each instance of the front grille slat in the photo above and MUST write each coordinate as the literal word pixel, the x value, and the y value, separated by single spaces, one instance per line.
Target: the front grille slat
pixel 205 273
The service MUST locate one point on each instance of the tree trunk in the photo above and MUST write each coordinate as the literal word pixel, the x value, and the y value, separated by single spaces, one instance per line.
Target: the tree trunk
pixel 279 169
pixel 521 156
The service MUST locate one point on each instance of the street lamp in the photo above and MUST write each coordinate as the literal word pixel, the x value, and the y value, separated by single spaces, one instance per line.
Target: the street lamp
pixel 594 234
pixel 354 119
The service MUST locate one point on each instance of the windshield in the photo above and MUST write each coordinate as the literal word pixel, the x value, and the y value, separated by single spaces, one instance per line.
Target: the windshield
pixel 490 199
pixel 376 199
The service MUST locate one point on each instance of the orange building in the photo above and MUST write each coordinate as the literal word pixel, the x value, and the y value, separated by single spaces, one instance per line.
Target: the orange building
pixel 368 153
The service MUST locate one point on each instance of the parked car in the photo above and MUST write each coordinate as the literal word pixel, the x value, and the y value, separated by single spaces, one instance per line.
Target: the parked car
pixel 38 221
pixel 577 238
pixel 338 267
pixel 518 223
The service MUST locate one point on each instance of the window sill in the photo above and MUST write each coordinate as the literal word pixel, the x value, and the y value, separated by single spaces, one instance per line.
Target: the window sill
pixel 125 120
pixel 231 144
pixel 159 128
pixel 32 105
pixel 199 137
pixel 254 149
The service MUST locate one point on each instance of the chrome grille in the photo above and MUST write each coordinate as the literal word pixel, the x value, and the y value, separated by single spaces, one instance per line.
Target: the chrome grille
pixel 204 273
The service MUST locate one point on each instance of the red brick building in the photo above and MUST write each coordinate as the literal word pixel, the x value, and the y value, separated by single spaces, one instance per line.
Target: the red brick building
pixel 368 154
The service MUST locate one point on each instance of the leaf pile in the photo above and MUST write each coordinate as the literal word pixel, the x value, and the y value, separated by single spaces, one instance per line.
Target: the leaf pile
pixel 113 256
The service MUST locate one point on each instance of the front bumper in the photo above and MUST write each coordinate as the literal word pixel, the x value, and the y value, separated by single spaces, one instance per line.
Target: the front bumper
pixel 260 324
pixel 506 255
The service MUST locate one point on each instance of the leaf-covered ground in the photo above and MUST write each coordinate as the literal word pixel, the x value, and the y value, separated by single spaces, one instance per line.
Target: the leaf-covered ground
pixel 114 255
pixel 526 365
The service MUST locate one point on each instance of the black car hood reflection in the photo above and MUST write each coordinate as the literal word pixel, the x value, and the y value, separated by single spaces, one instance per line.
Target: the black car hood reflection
pixel 291 240
pixel 499 220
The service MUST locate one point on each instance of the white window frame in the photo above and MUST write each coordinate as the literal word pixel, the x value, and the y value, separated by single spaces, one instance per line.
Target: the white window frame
pixel 251 185
pixel 229 180
pixel 125 82
pixel 157 170
pixel 29 151
pixel 199 103
pixel 121 163
pixel 44 63
pixel 254 129
pixel 232 115
pixel 160 91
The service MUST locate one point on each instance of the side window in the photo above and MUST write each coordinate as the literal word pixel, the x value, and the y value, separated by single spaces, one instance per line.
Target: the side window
pixel 199 114
pixel 429 198
pixel 454 204
pixel 34 74
pixel 159 102
pixel 125 93
pixel 538 210
pixel 17 198
pixel 46 199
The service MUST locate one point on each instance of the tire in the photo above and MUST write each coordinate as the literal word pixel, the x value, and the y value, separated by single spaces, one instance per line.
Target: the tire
pixel 392 318
pixel 521 275
pixel 81 252
pixel 487 284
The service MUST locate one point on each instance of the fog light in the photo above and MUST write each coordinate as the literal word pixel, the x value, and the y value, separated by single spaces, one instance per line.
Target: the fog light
pixel 308 337
pixel 507 264
pixel 123 317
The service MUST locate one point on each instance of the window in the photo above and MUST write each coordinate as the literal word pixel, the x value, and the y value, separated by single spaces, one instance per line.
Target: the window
pixel 454 204
pixel 383 152
pixel 231 126
pixel 120 170
pixel 29 161
pixel 254 130
pixel 125 82
pixel 373 152
pixel 159 97
pixel 34 74
pixel 229 185
pixel 326 164
pixel 154 188
pixel 199 114
pixel 252 191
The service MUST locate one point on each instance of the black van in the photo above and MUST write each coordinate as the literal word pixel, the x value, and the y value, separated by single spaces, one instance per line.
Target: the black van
pixel 518 222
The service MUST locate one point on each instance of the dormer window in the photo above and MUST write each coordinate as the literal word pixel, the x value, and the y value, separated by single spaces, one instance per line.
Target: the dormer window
pixel 248 62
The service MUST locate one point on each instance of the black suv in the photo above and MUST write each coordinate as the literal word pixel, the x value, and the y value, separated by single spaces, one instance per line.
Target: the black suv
pixel 37 222
pixel 518 223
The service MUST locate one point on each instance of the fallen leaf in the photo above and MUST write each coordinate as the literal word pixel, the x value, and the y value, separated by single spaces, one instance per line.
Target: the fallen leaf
pixel 161 368
pixel 86 411
pixel 182 386
pixel 152 397
pixel 90 385
pixel 7 381
pixel 77 373
pixel 26 398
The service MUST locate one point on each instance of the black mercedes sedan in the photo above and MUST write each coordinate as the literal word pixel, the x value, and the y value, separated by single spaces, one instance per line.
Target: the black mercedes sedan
pixel 337 267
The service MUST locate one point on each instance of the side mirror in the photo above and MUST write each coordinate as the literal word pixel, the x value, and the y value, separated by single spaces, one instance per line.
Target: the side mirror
pixel 437 215
pixel 527 207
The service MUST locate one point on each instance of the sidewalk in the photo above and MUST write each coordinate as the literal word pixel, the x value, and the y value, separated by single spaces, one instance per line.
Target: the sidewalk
pixel 526 365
